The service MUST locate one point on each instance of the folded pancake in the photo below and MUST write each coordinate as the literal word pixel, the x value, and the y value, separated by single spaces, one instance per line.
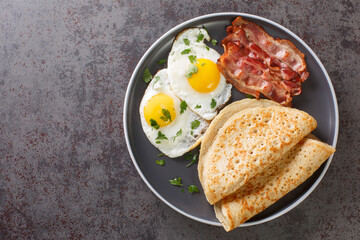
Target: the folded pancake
pixel 248 142
pixel 219 121
pixel 297 165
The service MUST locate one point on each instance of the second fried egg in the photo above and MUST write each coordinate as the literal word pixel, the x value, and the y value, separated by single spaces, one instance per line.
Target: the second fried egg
pixel 194 76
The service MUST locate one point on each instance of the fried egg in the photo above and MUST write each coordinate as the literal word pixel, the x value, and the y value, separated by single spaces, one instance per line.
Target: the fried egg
pixel 193 73
pixel 167 122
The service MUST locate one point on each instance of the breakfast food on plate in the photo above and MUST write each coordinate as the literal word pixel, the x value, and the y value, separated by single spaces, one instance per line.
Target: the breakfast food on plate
pixel 254 62
pixel 167 122
pixel 298 164
pixel 194 75
pixel 254 151
pixel 258 185
pixel 249 142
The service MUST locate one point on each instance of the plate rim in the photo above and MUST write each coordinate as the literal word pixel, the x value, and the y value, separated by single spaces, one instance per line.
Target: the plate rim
pixel 219 14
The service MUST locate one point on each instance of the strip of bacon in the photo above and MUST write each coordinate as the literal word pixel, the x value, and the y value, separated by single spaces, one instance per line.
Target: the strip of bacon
pixel 254 70
pixel 251 76
pixel 282 49
pixel 282 71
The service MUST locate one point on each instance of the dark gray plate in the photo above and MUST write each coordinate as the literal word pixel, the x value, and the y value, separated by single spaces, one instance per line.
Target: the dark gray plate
pixel 318 99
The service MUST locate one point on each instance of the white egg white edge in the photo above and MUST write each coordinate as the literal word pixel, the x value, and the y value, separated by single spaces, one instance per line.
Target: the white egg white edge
pixel 134 79
pixel 180 146
pixel 224 94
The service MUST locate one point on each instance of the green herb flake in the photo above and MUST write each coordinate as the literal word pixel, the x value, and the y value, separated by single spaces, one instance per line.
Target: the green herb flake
pixel 207 48
pixel 193 160
pixel 186 41
pixel 202 64
pixel 213 103
pixel 157 142
pixel 213 42
pixel 191 132
pixel 160 154
pixel 195 124
pixel 160 162
pixel 188 156
pixel 161 136
pixel 147 76
pixel 192 58
pixel 183 106
pixel 161 61
pixel 192 69
pixel 154 124
pixel 176 182
pixel 200 37
pixel 167 115
pixel 182 190
pixel 197 106
pixel 193 189
pixel 249 96
pixel 186 51
pixel 177 134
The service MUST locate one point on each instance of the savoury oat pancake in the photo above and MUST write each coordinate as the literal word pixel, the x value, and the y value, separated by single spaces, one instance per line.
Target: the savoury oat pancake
pixel 248 142
pixel 297 165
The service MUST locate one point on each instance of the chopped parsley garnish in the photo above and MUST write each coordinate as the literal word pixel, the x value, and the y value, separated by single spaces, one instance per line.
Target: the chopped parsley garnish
pixel 207 48
pixel 202 64
pixel 195 124
pixel 193 189
pixel 197 106
pixel 213 103
pixel 182 190
pixel 176 182
pixel 191 132
pixel 160 136
pixel 249 96
pixel 167 115
pixel 160 162
pixel 147 76
pixel 160 154
pixel 161 61
pixel 213 42
pixel 177 134
pixel 200 37
pixel 154 124
pixel 183 106
pixel 188 156
pixel 192 58
pixel 192 69
pixel 186 41
pixel 157 142
pixel 186 51
pixel 193 160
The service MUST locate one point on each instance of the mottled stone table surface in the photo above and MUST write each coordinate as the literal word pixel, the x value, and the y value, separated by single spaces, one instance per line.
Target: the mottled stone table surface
pixel 65 171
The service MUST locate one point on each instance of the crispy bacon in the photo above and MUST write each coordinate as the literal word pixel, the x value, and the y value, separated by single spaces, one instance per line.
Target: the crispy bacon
pixel 254 62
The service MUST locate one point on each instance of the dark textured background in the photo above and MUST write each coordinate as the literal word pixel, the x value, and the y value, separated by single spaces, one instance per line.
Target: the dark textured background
pixel 65 172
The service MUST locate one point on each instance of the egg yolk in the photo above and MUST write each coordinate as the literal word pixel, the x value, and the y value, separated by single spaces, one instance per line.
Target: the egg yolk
pixel 207 77
pixel 160 108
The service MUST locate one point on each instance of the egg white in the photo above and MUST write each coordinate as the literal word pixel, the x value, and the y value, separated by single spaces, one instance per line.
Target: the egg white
pixel 178 65
pixel 186 141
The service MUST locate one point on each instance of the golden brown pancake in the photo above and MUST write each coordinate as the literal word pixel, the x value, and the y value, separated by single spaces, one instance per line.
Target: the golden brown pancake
pixel 219 121
pixel 248 142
